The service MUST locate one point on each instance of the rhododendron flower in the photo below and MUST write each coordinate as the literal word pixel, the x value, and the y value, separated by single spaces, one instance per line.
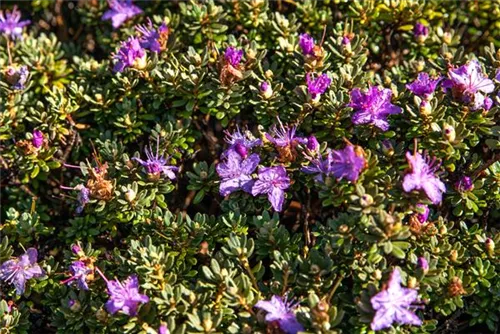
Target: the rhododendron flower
pixel 318 85
pixel 235 172
pixel 464 184
pixel 373 107
pixel 17 77
pixel 233 56
pixel 272 181
pixel 79 272
pixel 37 140
pixel 281 311
pixel 284 136
pixel 312 143
pixel 320 166
pixel 347 163
pixel 11 24
pixel 130 54
pixel 125 296
pixel 306 43
pixel 157 164
pixel 393 304
pixel 18 271
pixel 240 142
pixel 424 86
pixel 468 83
pixel 151 38
pixel 120 11
pixel 422 177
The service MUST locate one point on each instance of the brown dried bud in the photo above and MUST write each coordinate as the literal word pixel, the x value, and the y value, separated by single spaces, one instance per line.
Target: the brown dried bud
pixel 455 288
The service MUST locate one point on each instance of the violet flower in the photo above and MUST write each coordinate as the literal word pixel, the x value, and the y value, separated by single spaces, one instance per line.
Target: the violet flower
pixel 79 272
pixel 312 143
pixel 11 24
pixel 424 215
pixel 233 56
pixel 152 38
pixel 306 43
pixel 284 136
pixel 283 312
pixel 318 85
pixel 17 77
pixel 373 106
pixel 468 82
pixel 130 54
pixel 240 142
pixel 157 164
pixel 125 296
pixel 235 172
pixel 424 86
pixel 120 11
pixel 347 163
pixel 393 303
pixel 272 181
pixel 464 184
pixel 422 177
pixel 18 271
pixel 320 166
pixel 37 140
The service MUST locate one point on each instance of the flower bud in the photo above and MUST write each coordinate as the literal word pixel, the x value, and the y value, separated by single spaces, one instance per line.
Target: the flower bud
pixel 412 282
pixel 443 230
pixel 464 184
pixel 343 228
pixel 423 264
pixel 447 37
pixel 101 315
pixel 449 133
pixel 366 200
pixel 266 90
pixel 37 140
pixel 269 74
pixel 74 305
pixel 377 274
pixel 76 249
pixel 130 195
pixel 312 143
pixel 140 63
pixel 453 255
pixel 163 329
pixel 207 325
pixel 387 148
pixel 421 32
pixel 420 66
pixel 423 213
pixel 251 54
pixel 489 244
pixel 425 108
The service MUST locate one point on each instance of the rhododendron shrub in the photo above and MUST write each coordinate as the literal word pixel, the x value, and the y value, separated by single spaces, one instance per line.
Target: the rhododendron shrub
pixel 249 166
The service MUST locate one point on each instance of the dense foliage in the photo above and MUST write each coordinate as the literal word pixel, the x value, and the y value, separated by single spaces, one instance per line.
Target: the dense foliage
pixel 250 166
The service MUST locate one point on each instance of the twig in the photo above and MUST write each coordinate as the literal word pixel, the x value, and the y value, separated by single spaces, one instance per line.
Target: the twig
pixel 339 279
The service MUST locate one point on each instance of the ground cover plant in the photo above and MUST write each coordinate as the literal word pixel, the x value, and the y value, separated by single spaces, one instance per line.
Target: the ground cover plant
pixel 249 166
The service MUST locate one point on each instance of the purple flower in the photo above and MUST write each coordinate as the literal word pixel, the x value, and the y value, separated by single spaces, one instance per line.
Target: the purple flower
pixel 130 54
pixel 76 249
pixel 317 86
pixel 464 184
pixel 235 172
pixel 468 83
pixel 125 296
pixel 373 107
pixel 272 181
pixel 393 303
pixel 423 86
pixel 240 142
pixel 83 197
pixel 306 43
pixel 346 40
pixel 281 311
pixel 422 177
pixel 320 166
pixel 21 269
pixel 120 11
pixel 422 213
pixel 284 136
pixel 233 56
pixel 347 163
pixel 420 31
pixel 79 272
pixel 488 103
pixel 37 140
pixel 266 90
pixel 11 24
pixel 152 38
pixel 157 164
pixel 312 143
pixel 423 264
pixel 17 77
